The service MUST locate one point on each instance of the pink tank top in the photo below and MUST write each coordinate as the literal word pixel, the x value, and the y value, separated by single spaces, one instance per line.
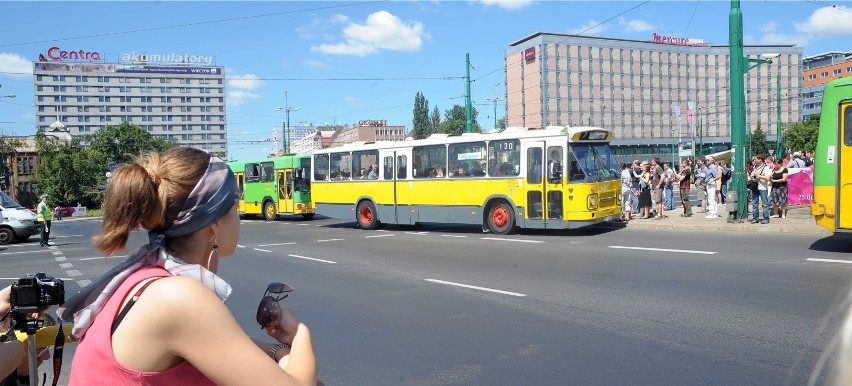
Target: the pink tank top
pixel 95 364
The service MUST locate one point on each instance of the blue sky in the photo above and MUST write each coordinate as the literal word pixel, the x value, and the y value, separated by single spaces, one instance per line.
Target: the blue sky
pixel 345 61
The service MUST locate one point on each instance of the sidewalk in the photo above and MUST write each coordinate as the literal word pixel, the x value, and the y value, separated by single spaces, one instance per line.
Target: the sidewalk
pixel 799 220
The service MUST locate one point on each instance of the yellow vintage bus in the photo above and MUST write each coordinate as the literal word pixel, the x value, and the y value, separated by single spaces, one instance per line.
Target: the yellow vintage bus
pixel 552 178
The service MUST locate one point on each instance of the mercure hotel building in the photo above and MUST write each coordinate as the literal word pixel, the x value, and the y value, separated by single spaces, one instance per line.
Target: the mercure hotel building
pixel 651 93
pixel 173 96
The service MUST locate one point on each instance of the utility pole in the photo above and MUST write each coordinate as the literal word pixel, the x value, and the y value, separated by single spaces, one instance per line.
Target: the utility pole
pixel 737 72
pixel 700 136
pixel 494 100
pixel 287 109
pixel 468 127
pixel 778 120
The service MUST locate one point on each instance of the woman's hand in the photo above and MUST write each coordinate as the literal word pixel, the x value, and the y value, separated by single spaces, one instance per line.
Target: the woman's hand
pixel 288 324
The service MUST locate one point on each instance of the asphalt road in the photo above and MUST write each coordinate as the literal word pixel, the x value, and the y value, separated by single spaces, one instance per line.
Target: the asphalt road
pixel 440 304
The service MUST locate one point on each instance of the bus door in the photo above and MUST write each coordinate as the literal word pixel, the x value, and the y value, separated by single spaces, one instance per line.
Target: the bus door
pixel 241 204
pixel 844 171
pixel 284 189
pixel 544 183
pixel 402 186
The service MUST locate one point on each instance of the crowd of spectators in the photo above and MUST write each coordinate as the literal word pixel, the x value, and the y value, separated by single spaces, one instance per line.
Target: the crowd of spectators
pixel 647 187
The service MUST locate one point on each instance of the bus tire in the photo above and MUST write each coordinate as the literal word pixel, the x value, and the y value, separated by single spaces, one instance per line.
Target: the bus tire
pixel 308 216
pixel 269 213
pixel 366 216
pixel 500 218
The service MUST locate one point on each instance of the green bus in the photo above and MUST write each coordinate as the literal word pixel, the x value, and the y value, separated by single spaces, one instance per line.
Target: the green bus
pixel 832 207
pixel 274 186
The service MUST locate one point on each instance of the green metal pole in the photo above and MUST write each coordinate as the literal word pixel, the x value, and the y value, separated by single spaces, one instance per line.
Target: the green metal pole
pixel 495 114
pixel 468 127
pixel 700 137
pixel 778 120
pixel 737 70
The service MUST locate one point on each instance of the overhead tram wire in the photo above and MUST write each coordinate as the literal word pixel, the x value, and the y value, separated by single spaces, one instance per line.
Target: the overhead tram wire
pixel 191 24
pixel 690 18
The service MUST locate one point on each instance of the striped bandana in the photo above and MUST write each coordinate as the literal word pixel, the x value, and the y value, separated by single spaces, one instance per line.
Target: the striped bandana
pixel 210 200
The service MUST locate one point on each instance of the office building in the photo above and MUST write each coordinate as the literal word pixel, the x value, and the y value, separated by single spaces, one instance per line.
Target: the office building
pixel 178 97
pixel 652 94
pixel 818 70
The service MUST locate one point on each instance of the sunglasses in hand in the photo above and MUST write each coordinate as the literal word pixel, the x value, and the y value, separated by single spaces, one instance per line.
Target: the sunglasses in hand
pixel 269 311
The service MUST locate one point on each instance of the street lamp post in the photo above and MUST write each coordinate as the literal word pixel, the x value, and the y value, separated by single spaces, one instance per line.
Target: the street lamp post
pixel 700 136
pixel 778 119
pixel 287 109
pixel 494 100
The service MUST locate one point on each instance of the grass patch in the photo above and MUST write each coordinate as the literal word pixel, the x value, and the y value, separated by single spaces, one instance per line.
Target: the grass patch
pixel 94 212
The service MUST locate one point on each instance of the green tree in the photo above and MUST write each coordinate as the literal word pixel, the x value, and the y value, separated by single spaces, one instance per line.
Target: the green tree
pixel 422 124
pixel 435 124
pixel 501 125
pixel 75 171
pixel 65 172
pixel 802 135
pixel 455 121
pixel 758 142
pixel 8 146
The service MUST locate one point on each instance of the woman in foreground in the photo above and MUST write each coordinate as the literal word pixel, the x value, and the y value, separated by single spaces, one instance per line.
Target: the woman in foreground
pixel 159 317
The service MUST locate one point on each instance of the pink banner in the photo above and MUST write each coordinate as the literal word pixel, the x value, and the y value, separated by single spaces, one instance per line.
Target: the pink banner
pixel 800 186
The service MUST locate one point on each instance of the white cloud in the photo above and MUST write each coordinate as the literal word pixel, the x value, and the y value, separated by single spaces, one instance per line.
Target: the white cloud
pixel 508 4
pixel 828 21
pixel 590 28
pixel 381 31
pixel 635 25
pixel 774 38
pixel 770 27
pixel 237 97
pixel 15 65
pixel 338 19
pixel 245 82
pixel 354 101
pixel 315 64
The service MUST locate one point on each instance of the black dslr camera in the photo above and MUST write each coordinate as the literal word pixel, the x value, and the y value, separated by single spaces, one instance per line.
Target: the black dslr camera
pixel 38 290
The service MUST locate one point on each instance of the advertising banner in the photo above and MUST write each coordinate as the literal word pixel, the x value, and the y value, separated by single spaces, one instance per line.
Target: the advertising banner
pixel 800 186
pixel 168 70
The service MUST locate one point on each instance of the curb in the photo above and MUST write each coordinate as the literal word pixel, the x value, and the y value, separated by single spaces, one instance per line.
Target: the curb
pixel 728 227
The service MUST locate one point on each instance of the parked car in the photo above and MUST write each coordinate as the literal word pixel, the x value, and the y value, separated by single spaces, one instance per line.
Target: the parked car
pixel 18 224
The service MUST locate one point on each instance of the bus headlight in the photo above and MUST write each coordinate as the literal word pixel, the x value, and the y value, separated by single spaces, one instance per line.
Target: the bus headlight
pixel 592 202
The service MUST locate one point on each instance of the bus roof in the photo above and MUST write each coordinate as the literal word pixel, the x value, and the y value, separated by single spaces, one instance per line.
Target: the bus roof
pixel 572 133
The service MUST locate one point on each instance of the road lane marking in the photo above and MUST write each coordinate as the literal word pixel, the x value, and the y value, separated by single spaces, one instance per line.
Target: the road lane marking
pixel 384 235
pixel 272 245
pixel 73 273
pixel 57 237
pixel 418 233
pixel 240 246
pixel 322 241
pixel 476 287
pixel 313 259
pixel 84 282
pixel 60 258
pixel 453 236
pixel 262 250
pixel 514 240
pixel 831 260
pixel 664 250
pixel 65 265
pixel 102 257
pixel 18 253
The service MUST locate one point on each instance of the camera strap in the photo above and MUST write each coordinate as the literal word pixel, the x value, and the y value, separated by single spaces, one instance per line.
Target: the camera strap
pixel 58 346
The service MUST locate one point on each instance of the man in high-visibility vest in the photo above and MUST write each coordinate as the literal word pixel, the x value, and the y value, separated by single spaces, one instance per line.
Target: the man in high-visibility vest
pixel 45 215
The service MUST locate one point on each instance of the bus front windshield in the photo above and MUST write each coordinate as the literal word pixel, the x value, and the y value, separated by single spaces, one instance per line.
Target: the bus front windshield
pixel 592 162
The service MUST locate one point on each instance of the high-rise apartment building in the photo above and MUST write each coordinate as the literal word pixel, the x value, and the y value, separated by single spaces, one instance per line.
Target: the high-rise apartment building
pixel 651 94
pixel 818 70
pixel 179 97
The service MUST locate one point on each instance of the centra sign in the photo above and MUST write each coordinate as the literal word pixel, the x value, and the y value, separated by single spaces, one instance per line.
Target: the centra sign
pixel 57 54
pixel 671 40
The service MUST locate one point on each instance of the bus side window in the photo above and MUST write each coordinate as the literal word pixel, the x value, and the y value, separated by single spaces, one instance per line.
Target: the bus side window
pixel 534 159
pixel 847 125
pixel 321 167
pixel 388 168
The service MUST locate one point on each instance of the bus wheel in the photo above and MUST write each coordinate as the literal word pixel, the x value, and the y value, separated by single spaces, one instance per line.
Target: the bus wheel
pixel 501 218
pixel 308 216
pixel 366 215
pixel 269 211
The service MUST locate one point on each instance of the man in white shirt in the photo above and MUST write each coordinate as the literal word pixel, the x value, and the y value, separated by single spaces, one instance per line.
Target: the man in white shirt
pixel 762 173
